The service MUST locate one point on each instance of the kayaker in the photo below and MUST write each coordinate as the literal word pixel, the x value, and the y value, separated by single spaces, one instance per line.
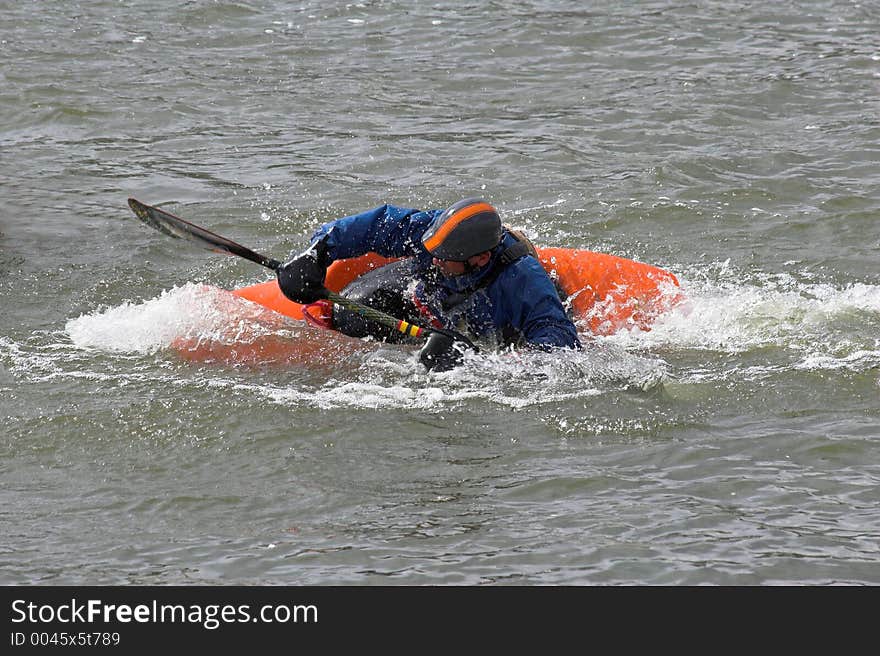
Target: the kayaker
pixel 463 271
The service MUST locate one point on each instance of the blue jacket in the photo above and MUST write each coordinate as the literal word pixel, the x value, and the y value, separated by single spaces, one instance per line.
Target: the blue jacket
pixel 521 304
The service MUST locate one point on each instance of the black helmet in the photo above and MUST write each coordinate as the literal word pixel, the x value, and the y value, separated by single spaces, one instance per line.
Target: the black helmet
pixel 466 228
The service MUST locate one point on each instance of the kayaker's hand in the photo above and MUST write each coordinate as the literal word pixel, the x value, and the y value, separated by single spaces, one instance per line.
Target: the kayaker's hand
pixel 443 352
pixel 302 278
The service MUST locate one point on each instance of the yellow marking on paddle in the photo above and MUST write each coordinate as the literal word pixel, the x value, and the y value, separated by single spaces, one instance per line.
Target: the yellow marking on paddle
pixel 408 328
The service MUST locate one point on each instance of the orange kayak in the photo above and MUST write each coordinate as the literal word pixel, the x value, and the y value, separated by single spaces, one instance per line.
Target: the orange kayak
pixel 607 292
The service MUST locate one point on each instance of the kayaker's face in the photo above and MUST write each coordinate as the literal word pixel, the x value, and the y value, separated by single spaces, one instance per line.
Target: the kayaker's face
pixel 451 268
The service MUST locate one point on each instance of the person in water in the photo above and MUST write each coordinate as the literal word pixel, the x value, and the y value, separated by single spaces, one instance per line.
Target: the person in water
pixel 462 271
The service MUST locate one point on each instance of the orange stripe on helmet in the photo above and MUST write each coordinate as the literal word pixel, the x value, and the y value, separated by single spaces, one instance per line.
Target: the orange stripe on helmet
pixel 453 221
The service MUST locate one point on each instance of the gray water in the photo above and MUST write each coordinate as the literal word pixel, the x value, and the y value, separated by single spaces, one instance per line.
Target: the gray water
pixel 734 144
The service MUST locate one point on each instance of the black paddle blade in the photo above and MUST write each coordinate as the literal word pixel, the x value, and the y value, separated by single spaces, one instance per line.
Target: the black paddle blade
pixel 174 226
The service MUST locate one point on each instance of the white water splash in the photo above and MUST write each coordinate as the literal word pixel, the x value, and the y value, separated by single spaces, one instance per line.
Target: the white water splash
pixel 392 378
pixel 829 326
pixel 820 326
pixel 196 311
pixel 140 327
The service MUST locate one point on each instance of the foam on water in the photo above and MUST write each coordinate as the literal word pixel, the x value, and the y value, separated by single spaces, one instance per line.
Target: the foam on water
pixel 509 379
pixel 144 327
pixel 821 326
pixel 372 375
pixel 197 312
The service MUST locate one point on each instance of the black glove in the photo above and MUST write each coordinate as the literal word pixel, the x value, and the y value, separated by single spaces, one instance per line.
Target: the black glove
pixel 444 350
pixel 302 278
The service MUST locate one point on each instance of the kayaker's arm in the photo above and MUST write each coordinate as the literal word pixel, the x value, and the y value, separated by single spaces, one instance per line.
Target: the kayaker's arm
pixel 546 327
pixel 388 230
pixel 534 311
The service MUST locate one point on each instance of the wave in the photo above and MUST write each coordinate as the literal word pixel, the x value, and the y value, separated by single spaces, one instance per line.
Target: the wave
pixel 821 325
pixel 779 321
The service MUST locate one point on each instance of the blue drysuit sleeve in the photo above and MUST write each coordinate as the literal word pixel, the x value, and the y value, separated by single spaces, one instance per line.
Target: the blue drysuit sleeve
pixel 531 304
pixel 387 230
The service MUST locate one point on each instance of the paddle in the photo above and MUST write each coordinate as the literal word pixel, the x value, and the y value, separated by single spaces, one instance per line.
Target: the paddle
pixel 174 226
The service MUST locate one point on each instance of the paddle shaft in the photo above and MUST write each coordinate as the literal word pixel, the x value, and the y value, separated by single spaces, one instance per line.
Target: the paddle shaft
pixel 178 228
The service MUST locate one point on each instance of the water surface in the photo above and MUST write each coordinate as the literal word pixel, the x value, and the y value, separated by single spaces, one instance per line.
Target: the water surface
pixel 736 443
